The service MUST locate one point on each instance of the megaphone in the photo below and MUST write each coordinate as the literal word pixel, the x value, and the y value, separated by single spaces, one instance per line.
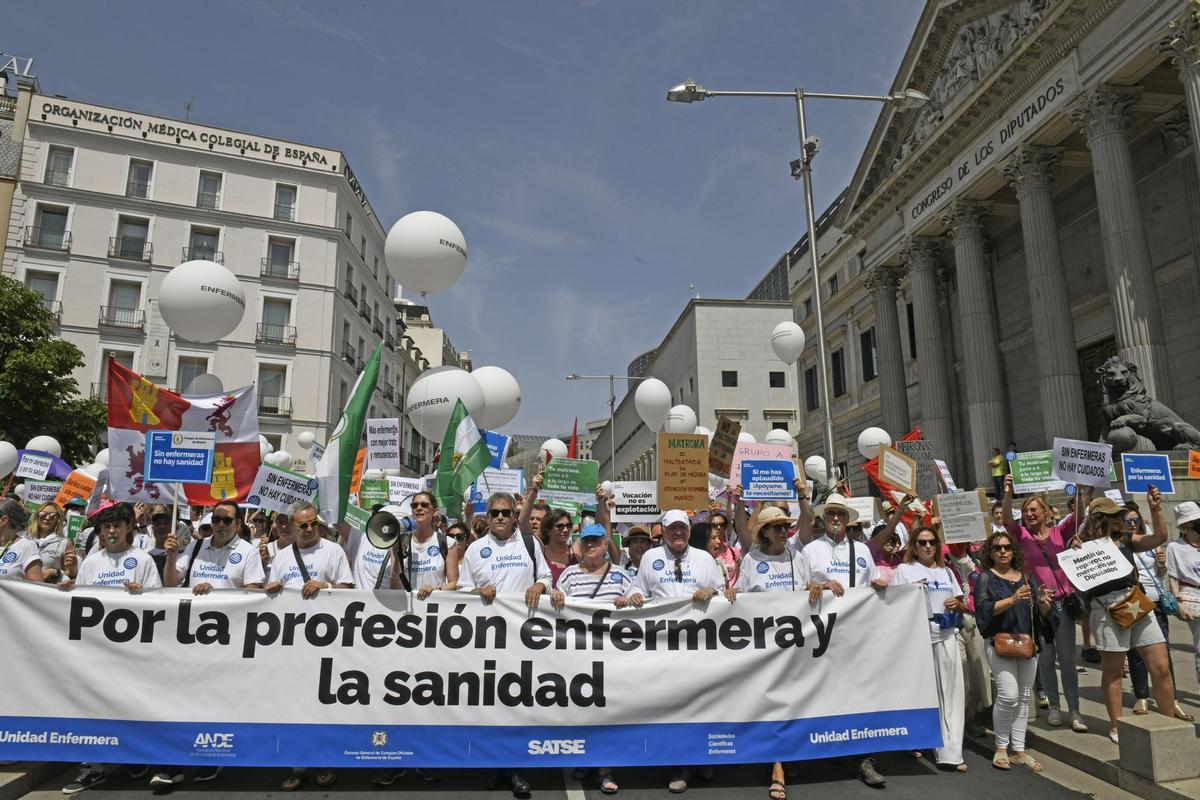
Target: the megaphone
pixel 387 525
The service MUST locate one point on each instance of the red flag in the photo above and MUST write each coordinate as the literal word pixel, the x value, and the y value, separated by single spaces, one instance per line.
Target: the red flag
pixel 871 467
pixel 573 447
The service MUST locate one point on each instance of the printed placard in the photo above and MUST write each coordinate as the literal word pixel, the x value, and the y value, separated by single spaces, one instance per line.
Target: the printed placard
pixel 383 443
pixel 1033 472
pixel 944 475
pixel 756 450
pixel 75 525
pixel 497 445
pixel 1084 463
pixel 179 456
pixel 958 503
pixel 38 493
pixel 682 470
pixel 922 452
pixel 356 476
pixel 635 501
pixel 493 480
pixel 400 489
pixel 1116 496
pixel 316 453
pixel 722 446
pixel 1141 470
pixel 1098 561
pixel 573 479
pixel 357 518
pixel 768 479
pixel 373 492
pixel 275 489
pixel 898 469
pixel 964 528
pixel 865 506
pixel 77 486
pixel 34 466
pixel 1194 464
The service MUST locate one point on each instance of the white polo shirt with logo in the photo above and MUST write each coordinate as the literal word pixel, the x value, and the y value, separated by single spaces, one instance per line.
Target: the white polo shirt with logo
pixel 103 568
pixel 325 561
pixel 17 556
pixel 760 572
pixel 428 566
pixel 228 567
pixel 825 561
pixel 656 575
pixel 504 564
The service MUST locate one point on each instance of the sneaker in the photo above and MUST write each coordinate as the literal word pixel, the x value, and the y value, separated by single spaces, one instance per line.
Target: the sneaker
pixel 87 778
pixel 520 786
pixel 386 777
pixel 1077 723
pixel 869 775
pixel 1112 735
pixel 168 776
pixel 678 783
pixel 206 774
pixel 1054 718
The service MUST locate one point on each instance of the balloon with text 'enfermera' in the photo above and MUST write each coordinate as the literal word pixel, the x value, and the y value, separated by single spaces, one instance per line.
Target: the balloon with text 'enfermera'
pixel 432 397
pixel 778 436
pixel 427 252
pixel 869 441
pixel 501 397
pixel 787 340
pixel 201 301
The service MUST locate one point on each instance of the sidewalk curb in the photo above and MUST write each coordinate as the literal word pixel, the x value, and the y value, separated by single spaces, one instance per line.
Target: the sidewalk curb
pixel 22 777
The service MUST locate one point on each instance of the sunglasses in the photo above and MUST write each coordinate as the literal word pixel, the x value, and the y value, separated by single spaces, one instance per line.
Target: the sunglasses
pixel 720 524
pixel 222 520
pixel 1002 548
pixel 49 515
pixel 305 526
pixel 422 504
pixel 562 526
pixel 499 512
pixel 926 542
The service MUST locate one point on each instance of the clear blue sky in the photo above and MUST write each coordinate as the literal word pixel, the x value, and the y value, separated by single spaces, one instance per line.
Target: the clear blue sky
pixel 589 203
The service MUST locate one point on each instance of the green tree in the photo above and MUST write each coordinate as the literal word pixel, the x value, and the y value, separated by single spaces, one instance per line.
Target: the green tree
pixel 38 394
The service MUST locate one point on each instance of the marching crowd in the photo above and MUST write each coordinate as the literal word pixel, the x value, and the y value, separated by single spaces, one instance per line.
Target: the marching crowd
pixel 1002 614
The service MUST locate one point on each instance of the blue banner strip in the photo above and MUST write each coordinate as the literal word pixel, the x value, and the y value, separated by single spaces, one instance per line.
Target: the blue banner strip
pixel 328 745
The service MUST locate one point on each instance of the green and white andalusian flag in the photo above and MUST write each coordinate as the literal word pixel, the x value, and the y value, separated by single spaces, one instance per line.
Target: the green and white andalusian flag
pixel 334 470
pixel 463 458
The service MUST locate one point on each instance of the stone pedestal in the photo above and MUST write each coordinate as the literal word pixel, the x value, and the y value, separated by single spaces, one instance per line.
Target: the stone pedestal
pixel 1159 748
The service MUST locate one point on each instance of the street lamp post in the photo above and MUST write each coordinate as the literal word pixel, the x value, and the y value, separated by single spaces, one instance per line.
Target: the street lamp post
pixel 612 410
pixel 690 92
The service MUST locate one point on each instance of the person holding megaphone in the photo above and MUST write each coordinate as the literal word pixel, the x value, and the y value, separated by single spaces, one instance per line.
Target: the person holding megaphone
pixel 399 552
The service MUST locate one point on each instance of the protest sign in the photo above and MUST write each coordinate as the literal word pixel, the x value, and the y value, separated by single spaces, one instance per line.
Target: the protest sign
pixel 356 475
pixel 1084 463
pixel 401 490
pixel 357 518
pixel 1141 470
pixel 373 492
pixel 943 474
pixel 275 489
pixel 1194 464
pixel 75 526
pixel 1033 472
pixel 898 469
pixel 756 450
pixel 385 680
pixel 497 445
pixel 635 501
pixel 956 503
pixel 682 470
pixel 1098 561
pixel 722 445
pixel 768 479
pixel 865 506
pixel 921 451
pixel 964 528
pixel 316 452
pixel 1116 496
pixel 493 480
pixel 38 493
pixel 573 479
pixel 34 466
pixel 383 443
pixel 179 456
pixel 77 486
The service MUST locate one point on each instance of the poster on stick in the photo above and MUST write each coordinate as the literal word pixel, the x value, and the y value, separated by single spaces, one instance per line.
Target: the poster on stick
pixel 1033 472
pixel 922 452
pixel 721 447
pixel 682 470
pixel 572 479
pixel 383 443
pixel 1143 470
pixel 756 451
pixel 768 479
pixel 635 501
pixel 1084 463
pixel 1096 562
pixel 898 469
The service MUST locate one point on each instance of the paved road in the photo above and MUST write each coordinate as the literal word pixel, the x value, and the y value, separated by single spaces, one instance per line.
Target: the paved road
pixel 908 779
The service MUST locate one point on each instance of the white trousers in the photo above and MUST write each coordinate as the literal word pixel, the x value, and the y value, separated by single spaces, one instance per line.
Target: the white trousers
pixel 1014 684
pixel 947 667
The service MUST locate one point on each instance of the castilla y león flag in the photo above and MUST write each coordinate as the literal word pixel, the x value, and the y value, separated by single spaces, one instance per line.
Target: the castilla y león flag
pixel 135 405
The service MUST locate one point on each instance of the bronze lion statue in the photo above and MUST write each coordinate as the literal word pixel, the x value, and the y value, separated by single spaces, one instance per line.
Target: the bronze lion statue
pixel 1129 412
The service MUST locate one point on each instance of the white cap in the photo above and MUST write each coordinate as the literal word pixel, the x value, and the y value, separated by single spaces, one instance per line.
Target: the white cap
pixel 1186 511
pixel 675 515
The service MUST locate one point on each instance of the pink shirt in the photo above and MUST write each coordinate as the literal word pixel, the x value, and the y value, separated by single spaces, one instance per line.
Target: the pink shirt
pixel 1041 555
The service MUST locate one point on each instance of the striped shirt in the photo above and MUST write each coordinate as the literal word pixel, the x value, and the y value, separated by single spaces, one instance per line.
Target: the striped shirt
pixel 574 582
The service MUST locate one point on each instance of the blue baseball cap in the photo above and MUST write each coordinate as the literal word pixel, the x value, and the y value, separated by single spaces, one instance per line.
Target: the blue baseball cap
pixel 592 531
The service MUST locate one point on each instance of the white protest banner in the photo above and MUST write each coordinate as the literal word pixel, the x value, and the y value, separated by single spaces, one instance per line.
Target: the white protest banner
pixel 635 501
pixel 1116 496
pixel 384 680
pixel 865 506
pixel 275 489
pixel 944 475
pixel 1097 561
pixel 492 480
pixel 38 493
pixel 756 450
pixel 33 465
pixel 1085 463
pixel 383 443
pixel 897 469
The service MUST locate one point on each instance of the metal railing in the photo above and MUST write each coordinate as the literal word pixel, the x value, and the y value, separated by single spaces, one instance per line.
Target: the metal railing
pixel 390 340
pixel 388 392
pixel 364 308
pixel 137 189
pixel 117 317
pixel 100 391
pixel 285 213
pixel 283 270
pixel 208 200
pixel 276 334
pixel 47 238
pixel 130 248
pixel 350 292
pixel 58 177
pixel 377 326
pixel 348 354
pixel 55 309
pixel 275 405
pixel 203 253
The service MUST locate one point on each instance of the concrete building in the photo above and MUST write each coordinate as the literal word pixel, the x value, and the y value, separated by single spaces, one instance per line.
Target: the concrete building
pixel 108 201
pixel 717 359
pixel 17 88
pixel 1040 214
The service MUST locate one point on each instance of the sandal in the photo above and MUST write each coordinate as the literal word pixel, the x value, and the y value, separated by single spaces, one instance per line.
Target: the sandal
pixel 952 767
pixel 1026 760
pixel 292 782
pixel 326 778
pixel 1000 761
pixel 778 791
pixel 1183 715
pixel 608 785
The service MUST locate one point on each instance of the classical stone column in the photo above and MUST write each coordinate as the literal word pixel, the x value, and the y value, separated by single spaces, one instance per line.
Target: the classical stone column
pixel 1030 171
pixel 893 387
pixel 1177 128
pixel 1103 115
pixel 936 424
pixel 1182 46
pixel 981 356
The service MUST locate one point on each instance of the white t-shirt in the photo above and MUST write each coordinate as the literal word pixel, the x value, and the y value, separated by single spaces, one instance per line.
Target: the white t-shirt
pixel 1183 562
pixel 940 586
pixel 656 576
pixel 428 564
pixel 574 582
pixel 143 541
pixel 228 567
pixel 760 572
pixel 17 556
pixel 824 561
pixel 1147 574
pixel 325 561
pixel 103 568
pixel 502 563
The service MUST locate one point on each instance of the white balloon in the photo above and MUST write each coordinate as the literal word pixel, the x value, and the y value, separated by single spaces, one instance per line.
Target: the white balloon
pixel 553 448
pixel 432 397
pixel 606 487
pixel 652 401
pixel 205 383
pixel 19 490
pixel 787 340
pixel 748 438
pixel 92 470
pixel 778 436
pixel 705 431
pixel 283 459
pixel 680 419
pixel 306 439
pixel 372 474
pixel 201 301
pixel 870 439
pixel 102 457
pixel 501 397
pixel 45 444
pixel 816 468
pixel 427 251
pixel 8 458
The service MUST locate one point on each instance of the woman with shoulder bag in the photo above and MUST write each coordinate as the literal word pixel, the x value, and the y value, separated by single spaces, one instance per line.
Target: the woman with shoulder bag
pixel 1011 608
pixel 1183 572
pixel 1120 611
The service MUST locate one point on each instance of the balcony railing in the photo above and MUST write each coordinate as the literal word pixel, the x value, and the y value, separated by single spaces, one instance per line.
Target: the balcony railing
pixel 377 326
pixel 58 177
pixel 281 270
pixel 285 213
pixel 276 334
pixel 137 189
pixel 208 200
pixel 48 238
pixel 364 308
pixel 350 292
pixel 8 102
pixel 348 354
pixel 100 391
pixel 388 392
pixel 117 317
pixel 275 405
pixel 55 309
pixel 203 253
pixel 390 340
pixel 131 248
